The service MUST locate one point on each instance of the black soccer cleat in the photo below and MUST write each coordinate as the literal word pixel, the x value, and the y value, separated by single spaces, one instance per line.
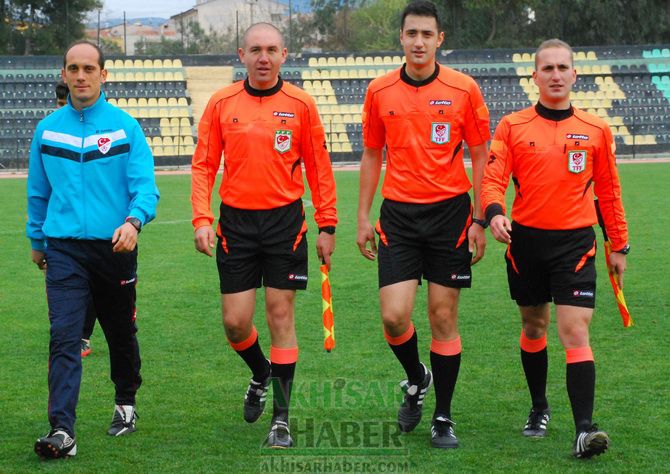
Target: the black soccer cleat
pixel 56 444
pixel 409 414
pixel 279 436
pixel 536 425
pixel 254 399
pixel 442 433
pixel 123 421
pixel 591 442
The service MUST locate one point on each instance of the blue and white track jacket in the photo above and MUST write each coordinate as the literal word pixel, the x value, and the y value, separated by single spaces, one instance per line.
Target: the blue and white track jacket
pixel 88 171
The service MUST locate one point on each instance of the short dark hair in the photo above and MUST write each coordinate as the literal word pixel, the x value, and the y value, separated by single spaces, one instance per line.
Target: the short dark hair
pixel 101 57
pixel 420 8
pixel 61 90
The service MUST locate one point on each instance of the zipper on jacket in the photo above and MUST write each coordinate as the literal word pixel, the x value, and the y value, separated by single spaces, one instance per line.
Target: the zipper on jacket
pixel 81 169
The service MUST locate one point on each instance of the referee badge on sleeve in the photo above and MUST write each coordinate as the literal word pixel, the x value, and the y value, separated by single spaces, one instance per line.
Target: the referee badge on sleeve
pixel 440 132
pixel 283 140
pixel 577 161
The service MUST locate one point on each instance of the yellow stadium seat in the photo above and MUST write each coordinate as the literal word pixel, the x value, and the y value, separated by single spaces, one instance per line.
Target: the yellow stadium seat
pixel 167 63
pixel 142 102
pixel 377 60
pixel 112 101
pixel 387 60
pixel 182 102
pixel 359 61
pixel 332 61
pixel 580 56
pixel 157 141
pixel 132 102
pixel 157 63
pixel 322 61
pixel 128 64
pixel 109 64
pixel 167 141
pixel 353 74
pixel 149 76
pixel 138 64
pixel 169 76
pixel 147 64
pixel 178 76
pixel 159 76
pixel 122 102
pixel 525 57
pixel 162 112
pixel 335 148
pixel 118 64
pixel 516 58
pixel 111 77
pixel 350 61
pixel 169 151
pixel 346 147
pixel 334 74
pixel 158 151
pixel 162 102
pixel 138 76
pixel 177 63
pixel 591 56
pixel 189 150
pixel 341 61
pixel 172 101
pixel 313 62
pixel 316 74
pixel 188 140
pixel 397 60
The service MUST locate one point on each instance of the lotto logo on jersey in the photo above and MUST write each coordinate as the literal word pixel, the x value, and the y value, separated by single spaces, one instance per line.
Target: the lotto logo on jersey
pixel 283 140
pixel 577 161
pixel 440 133
pixel 104 144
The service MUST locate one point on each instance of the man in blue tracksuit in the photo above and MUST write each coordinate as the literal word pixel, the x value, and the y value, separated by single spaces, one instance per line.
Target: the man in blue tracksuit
pixel 91 188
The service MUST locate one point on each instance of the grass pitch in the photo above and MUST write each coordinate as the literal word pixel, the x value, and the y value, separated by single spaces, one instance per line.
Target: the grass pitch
pixel 344 403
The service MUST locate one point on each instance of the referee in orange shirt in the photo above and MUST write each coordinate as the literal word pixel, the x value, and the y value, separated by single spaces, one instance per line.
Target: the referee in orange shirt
pixel 427 227
pixel 554 153
pixel 267 129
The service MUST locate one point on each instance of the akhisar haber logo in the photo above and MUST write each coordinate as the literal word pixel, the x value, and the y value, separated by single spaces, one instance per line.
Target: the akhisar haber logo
pixel 104 144
pixel 440 132
pixel 577 161
pixel 283 139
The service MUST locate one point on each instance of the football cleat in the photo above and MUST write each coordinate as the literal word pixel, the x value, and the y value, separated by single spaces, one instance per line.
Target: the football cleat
pixel 409 414
pixel 254 399
pixel 123 421
pixel 85 347
pixel 592 442
pixel 536 425
pixel 442 433
pixel 279 436
pixel 56 444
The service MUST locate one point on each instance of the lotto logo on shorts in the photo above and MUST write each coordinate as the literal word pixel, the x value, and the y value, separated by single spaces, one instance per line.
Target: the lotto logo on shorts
pixel 455 276
pixel 585 294
pixel 577 161
pixel 294 277
pixel 440 132
pixel 283 140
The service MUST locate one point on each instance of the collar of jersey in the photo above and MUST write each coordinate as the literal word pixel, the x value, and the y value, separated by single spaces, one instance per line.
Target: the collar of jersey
pixel 102 99
pixel 265 92
pixel 553 114
pixel 405 77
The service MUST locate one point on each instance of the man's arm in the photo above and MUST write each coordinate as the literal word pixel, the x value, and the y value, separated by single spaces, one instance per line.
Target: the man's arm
pixel 494 184
pixel 371 165
pixel 476 233
pixel 39 192
pixel 204 166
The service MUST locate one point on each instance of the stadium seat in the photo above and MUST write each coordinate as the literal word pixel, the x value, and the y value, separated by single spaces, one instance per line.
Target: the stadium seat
pixel 177 63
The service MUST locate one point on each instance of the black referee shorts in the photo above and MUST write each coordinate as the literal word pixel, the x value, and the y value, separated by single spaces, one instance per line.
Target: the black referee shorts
pixel 428 240
pixel 552 264
pixel 258 247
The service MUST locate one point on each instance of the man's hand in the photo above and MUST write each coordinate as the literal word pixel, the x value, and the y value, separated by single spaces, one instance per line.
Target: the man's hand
pixel 204 239
pixel 366 234
pixel 325 246
pixel 618 266
pixel 476 242
pixel 38 259
pixel 501 228
pixel 124 238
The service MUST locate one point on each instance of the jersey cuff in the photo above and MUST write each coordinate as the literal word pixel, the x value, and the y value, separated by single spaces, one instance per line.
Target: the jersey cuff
pixel 493 210
pixel 201 222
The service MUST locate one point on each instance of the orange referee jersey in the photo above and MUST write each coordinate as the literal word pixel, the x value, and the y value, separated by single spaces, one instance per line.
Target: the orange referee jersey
pixel 423 125
pixel 264 137
pixel 553 164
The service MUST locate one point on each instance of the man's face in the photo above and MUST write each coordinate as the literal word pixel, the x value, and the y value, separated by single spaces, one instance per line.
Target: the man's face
pixel 263 54
pixel 420 39
pixel 83 75
pixel 554 75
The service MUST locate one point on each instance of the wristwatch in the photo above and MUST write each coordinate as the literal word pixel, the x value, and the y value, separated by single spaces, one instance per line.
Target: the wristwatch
pixel 481 222
pixel 329 229
pixel 625 250
pixel 135 222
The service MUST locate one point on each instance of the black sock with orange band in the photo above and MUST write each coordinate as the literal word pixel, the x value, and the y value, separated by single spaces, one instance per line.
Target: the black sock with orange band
pixel 406 350
pixel 445 361
pixel 283 369
pixel 535 362
pixel 580 379
pixel 250 351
